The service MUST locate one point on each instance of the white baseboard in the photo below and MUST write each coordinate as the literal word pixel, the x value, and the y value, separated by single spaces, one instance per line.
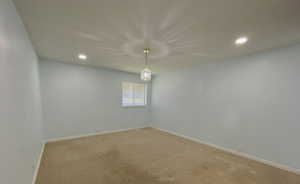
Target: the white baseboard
pixel 37 167
pixel 90 134
pixel 245 155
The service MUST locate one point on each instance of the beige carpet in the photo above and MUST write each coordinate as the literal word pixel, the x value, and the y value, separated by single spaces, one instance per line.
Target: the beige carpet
pixel 149 156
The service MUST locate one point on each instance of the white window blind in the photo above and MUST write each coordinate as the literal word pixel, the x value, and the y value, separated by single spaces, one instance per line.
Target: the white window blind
pixel 134 94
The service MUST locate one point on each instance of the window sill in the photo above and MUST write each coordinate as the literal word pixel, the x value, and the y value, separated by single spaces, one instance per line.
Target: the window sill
pixel 134 106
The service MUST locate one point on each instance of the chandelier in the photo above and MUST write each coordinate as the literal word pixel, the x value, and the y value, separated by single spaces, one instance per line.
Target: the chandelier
pixel 146 72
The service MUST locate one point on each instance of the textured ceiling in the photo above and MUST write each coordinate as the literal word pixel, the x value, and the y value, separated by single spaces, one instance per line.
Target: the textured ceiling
pixel 179 33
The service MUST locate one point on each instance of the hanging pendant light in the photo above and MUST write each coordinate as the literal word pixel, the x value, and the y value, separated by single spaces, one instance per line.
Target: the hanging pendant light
pixel 146 72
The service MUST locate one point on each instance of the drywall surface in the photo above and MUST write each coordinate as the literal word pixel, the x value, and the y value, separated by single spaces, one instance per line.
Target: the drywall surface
pixel 78 100
pixel 20 118
pixel 250 104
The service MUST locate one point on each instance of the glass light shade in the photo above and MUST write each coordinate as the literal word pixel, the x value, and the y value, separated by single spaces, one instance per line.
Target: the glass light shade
pixel 146 74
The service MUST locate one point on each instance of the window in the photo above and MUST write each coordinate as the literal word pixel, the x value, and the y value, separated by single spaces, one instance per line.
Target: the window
pixel 134 94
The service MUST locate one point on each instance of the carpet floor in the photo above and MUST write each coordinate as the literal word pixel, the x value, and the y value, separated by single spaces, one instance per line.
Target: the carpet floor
pixel 150 156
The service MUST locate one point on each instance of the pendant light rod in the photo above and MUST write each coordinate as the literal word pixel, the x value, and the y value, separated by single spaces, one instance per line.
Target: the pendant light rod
pixel 146 52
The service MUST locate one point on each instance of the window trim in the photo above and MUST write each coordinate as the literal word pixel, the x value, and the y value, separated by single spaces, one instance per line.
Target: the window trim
pixel 145 96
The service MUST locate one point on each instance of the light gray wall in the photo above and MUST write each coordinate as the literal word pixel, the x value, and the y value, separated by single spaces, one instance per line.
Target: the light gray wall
pixel 250 104
pixel 78 100
pixel 20 118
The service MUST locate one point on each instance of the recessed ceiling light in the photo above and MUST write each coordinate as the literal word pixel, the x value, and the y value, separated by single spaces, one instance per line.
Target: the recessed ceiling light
pixel 82 56
pixel 241 40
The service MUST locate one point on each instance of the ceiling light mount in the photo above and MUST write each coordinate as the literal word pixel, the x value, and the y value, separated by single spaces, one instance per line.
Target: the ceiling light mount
pixel 146 51
pixel 241 40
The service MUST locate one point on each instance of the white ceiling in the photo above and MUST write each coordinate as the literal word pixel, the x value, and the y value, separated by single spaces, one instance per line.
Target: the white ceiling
pixel 179 33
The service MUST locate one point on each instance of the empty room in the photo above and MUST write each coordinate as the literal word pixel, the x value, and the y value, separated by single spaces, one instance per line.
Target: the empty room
pixel 149 92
